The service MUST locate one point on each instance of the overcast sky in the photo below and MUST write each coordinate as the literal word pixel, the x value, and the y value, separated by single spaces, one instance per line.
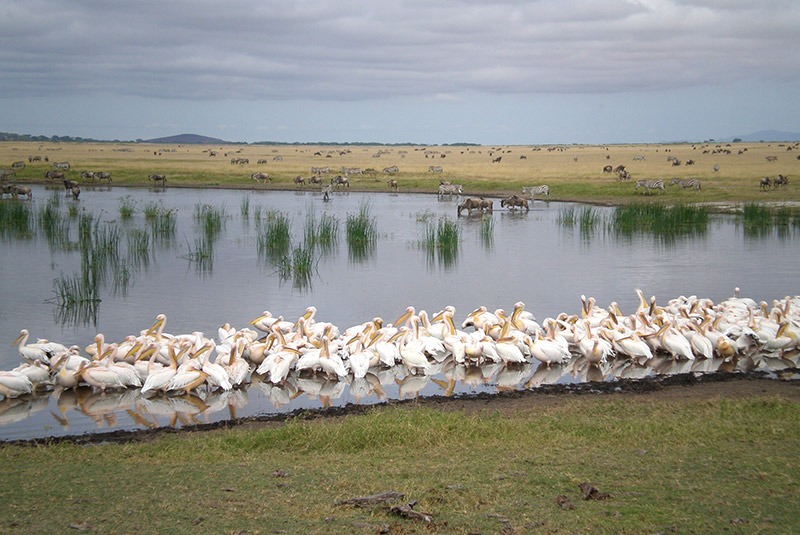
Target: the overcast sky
pixel 480 71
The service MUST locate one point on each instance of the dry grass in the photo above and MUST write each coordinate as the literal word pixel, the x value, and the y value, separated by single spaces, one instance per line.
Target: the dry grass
pixel 573 172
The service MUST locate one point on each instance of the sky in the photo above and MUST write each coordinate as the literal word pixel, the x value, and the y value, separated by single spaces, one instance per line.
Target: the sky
pixel 428 72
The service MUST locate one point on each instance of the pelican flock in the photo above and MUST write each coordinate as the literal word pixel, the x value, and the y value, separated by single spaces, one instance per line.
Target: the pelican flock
pixel 317 359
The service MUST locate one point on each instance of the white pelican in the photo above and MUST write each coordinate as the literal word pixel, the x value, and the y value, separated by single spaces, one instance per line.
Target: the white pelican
pixel 99 376
pixel 331 363
pixel 411 351
pixel 30 353
pixel 360 361
pixel 548 351
pixel 37 373
pixel 159 376
pixel 264 322
pixel 14 384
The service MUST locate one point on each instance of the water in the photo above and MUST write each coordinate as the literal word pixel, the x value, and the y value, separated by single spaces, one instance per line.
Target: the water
pixel 530 257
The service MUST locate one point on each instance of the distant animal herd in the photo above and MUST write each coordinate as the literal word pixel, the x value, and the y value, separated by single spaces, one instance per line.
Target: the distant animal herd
pixel 341 179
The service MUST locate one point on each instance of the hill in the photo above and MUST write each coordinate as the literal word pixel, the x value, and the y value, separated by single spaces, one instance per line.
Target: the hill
pixel 187 139
pixel 765 135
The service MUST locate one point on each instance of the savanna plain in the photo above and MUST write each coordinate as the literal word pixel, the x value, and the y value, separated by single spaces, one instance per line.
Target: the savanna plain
pixel 706 457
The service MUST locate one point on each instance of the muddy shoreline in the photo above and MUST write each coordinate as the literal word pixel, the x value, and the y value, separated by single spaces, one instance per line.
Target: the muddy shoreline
pixel 719 384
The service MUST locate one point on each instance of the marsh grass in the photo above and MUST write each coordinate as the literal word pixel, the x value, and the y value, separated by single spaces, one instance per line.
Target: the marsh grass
pixel 210 218
pixel 244 206
pixel 201 253
pixel 127 207
pixel 139 244
pixel 666 221
pixel 321 234
pixel 362 233
pixel 487 232
pixel 684 484
pixel 16 220
pixel 567 217
pixel 273 236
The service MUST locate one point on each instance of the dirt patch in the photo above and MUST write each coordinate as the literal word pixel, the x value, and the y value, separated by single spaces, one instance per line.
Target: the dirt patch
pixel 685 386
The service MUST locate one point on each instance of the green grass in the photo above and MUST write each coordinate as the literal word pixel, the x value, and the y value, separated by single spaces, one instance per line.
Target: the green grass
pixel 666 221
pixel 273 235
pixel 127 207
pixel 670 465
pixel 362 232
pixel 441 241
pixel 16 220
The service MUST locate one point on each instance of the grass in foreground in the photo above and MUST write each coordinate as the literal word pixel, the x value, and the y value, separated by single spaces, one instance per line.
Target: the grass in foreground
pixel 684 466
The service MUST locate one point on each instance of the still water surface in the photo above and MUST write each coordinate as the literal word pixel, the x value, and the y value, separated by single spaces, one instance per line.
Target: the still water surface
pixel 529 257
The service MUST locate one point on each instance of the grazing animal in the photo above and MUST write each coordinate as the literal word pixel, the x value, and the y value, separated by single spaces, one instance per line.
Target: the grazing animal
pixel 21 190
pixel 299 180
pixel 650 185
pixel 530 191
pixel 392 184
pixel 513 202
pixel 326 193
pixel 103 175
pixel 475 203
pixel 689 162
pixel 54 175
pixel 76 192
pixel 61 165
pixel 715 168
pixel 8 173
pixel 780 181
pixel 262 161
pixel 339 181
pixel 434 168
pixel 18 165
pixel 260 176
pixel 686 184
pixel 620 168
pixel 765 184
pixel 87 175
pixel 623 175
pixel 69 184
pixel 608 169
pixel 391 170
pixel 158 178
pixel 497 160
pixel 315 180
pixel 771 158
pixel 638 158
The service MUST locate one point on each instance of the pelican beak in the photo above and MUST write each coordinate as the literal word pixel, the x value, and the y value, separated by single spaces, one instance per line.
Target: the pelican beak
pixel 133 350
pixel 156 325
pixel 146 353
pixel 17 339
pixel 402 319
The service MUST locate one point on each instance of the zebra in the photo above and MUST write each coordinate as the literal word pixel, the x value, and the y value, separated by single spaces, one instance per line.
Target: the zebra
pixel 352 171
pixel 638 158
pixel 686 184
pixel 61 165
pixel 434 168
pixel 18 165
pixel 391 170
pixel 277 159
pixel 320 170
pixel 103 175
pixel 260 176
pixel 449 189
pixel 650 185
pixel 530 191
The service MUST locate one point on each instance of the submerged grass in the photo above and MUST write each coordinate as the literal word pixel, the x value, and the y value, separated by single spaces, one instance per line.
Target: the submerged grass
pixel 127 207
pixel 704 478
pixel 16 220
pixel 273 235
pixel 661 220
pixel 362 232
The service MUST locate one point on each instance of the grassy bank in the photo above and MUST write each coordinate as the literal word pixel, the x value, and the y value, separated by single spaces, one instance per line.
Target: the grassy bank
pixel 573 172
pixel 670 465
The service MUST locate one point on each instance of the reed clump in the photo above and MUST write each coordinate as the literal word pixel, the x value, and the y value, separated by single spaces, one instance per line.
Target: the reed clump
pixel 273 235
pixel 127 207
pixel 362 232
pixel 658 219
pixel 16 220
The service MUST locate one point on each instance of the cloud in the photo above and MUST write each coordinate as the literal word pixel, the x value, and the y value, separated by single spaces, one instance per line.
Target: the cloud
pixel 354 50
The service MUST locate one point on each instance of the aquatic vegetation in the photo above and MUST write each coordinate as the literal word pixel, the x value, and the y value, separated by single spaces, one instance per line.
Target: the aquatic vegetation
pixel 210 218
pixel 567 217
pixel 273 235
pixel 666 221
pixel 441 240
pixel 244 206
pixel 362 233
pixel 127 207
pixel 16 220
pixel 487 231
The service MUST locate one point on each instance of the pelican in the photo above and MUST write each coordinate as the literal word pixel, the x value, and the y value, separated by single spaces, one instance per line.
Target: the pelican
pixel 37 373
pixel 14 384
pixel 548 351
pixel 331 363
pixel 99 376
pixel 42 351
pixel 411 351
pixel 158 377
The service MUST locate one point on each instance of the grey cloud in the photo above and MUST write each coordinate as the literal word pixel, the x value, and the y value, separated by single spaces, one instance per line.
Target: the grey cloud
pixel 350 50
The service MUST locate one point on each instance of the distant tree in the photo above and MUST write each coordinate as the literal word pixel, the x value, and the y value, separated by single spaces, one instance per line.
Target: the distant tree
pixel 737 140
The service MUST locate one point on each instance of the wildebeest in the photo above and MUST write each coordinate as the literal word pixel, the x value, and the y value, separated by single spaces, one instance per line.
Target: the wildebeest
pixel 299 180
pixel 21 190
pixel 689 162
pixel 54 175
pixel 32 159
pixel 103 175
pixel 623 175
pixel 608 169
pixel 765 183
pixel 392 184
pixel 87 175
pixel 340 180
pixel 7 173
pixel 771 158
pixel 780 181
pixel 474 203
pixel 76 192
pixel 18 165
pixel 513 202
pixel 497 160
pixel 260 176
pixel 315 180
pixel 262 161
pixel 158 178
